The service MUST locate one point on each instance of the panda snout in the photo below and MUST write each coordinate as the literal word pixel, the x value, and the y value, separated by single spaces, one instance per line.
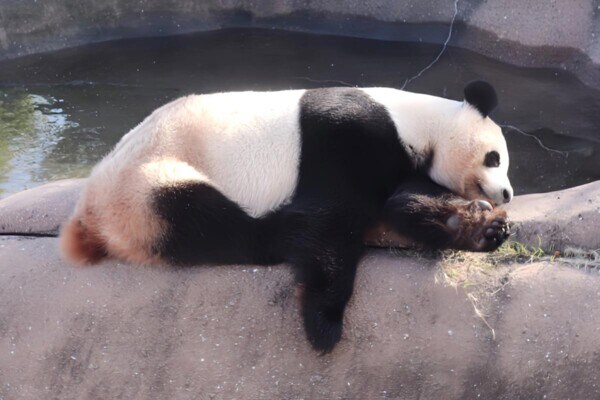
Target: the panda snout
pixel 507 195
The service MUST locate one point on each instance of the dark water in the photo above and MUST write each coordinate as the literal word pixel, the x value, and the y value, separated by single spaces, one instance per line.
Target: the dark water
pixel 61 112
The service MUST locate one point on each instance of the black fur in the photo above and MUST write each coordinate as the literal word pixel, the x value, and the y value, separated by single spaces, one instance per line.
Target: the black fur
pixel 205 227
pixel 492 159
pixel 421 210
pixel 351 161
pixel 482 96
pixel 350 147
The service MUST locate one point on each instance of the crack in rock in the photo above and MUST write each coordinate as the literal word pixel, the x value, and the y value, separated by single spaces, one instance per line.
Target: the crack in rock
pixel 537 139
pixel 409 80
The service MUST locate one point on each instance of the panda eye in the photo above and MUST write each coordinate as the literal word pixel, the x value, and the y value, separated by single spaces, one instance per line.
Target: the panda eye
pixel 492 159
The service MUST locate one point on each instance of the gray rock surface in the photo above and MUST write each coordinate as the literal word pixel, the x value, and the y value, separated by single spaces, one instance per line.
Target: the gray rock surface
pixel 558 219
pixel 121 331
pixel 41 210
pixel 537 33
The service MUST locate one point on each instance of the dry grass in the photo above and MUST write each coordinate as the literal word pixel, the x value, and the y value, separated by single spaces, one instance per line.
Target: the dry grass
pixel 480 275
pixel 588 260
pixel 483 275
pixel 464 269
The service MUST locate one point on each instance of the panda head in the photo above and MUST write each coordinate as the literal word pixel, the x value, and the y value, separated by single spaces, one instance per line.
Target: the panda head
pixel 471 157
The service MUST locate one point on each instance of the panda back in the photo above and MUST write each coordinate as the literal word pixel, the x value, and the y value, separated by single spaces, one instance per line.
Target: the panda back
pixel 248 146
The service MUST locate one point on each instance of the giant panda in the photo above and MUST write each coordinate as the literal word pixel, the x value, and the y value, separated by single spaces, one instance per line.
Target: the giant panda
pixel 296 176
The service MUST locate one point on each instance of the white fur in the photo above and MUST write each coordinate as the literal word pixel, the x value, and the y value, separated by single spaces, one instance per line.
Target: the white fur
pixel 246 144
pixel 250 146
pixel 456 132
pixel 420 119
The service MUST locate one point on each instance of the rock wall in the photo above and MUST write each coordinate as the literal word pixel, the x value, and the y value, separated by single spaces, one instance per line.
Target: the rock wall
pixel 536 33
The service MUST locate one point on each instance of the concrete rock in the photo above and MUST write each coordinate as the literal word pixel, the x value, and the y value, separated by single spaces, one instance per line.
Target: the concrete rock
pixel 121 331
pixel 41 210
pixel 558 219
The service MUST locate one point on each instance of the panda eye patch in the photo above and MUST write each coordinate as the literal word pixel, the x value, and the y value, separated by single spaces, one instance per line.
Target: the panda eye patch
pixel 492 159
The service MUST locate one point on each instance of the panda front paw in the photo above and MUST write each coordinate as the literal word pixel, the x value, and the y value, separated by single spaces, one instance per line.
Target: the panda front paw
pixel 494 232
pixel 477 226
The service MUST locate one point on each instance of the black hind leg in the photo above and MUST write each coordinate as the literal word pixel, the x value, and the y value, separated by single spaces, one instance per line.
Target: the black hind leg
pixel 326 248
pixel 205 227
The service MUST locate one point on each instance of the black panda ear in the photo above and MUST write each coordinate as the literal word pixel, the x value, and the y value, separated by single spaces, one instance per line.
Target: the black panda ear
pixel 482 96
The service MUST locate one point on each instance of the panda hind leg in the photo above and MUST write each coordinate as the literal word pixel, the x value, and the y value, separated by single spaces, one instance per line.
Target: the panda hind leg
pixel 205 227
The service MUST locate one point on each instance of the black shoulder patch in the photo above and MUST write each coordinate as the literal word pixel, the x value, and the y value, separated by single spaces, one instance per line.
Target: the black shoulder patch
pixel 482 96
pixel 349 145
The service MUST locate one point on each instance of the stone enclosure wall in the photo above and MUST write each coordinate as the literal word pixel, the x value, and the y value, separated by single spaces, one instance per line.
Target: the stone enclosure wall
pixel 540 33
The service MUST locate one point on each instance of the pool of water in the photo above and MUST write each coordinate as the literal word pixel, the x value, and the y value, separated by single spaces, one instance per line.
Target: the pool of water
pixel 61 112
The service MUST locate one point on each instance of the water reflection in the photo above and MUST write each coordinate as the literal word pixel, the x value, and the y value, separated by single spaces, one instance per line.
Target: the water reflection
pixel 57 132
pixel 31 126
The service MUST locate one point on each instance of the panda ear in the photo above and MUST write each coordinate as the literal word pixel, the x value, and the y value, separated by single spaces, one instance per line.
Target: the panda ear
pixel 482 96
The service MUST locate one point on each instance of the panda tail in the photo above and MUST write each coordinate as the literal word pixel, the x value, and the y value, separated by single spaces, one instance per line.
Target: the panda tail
pixel 80 243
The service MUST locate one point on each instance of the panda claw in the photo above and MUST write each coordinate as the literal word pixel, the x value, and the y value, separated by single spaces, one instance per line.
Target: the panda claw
pixel 484 205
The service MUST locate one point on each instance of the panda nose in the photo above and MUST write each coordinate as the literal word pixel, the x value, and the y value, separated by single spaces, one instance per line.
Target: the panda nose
pixel 507 195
